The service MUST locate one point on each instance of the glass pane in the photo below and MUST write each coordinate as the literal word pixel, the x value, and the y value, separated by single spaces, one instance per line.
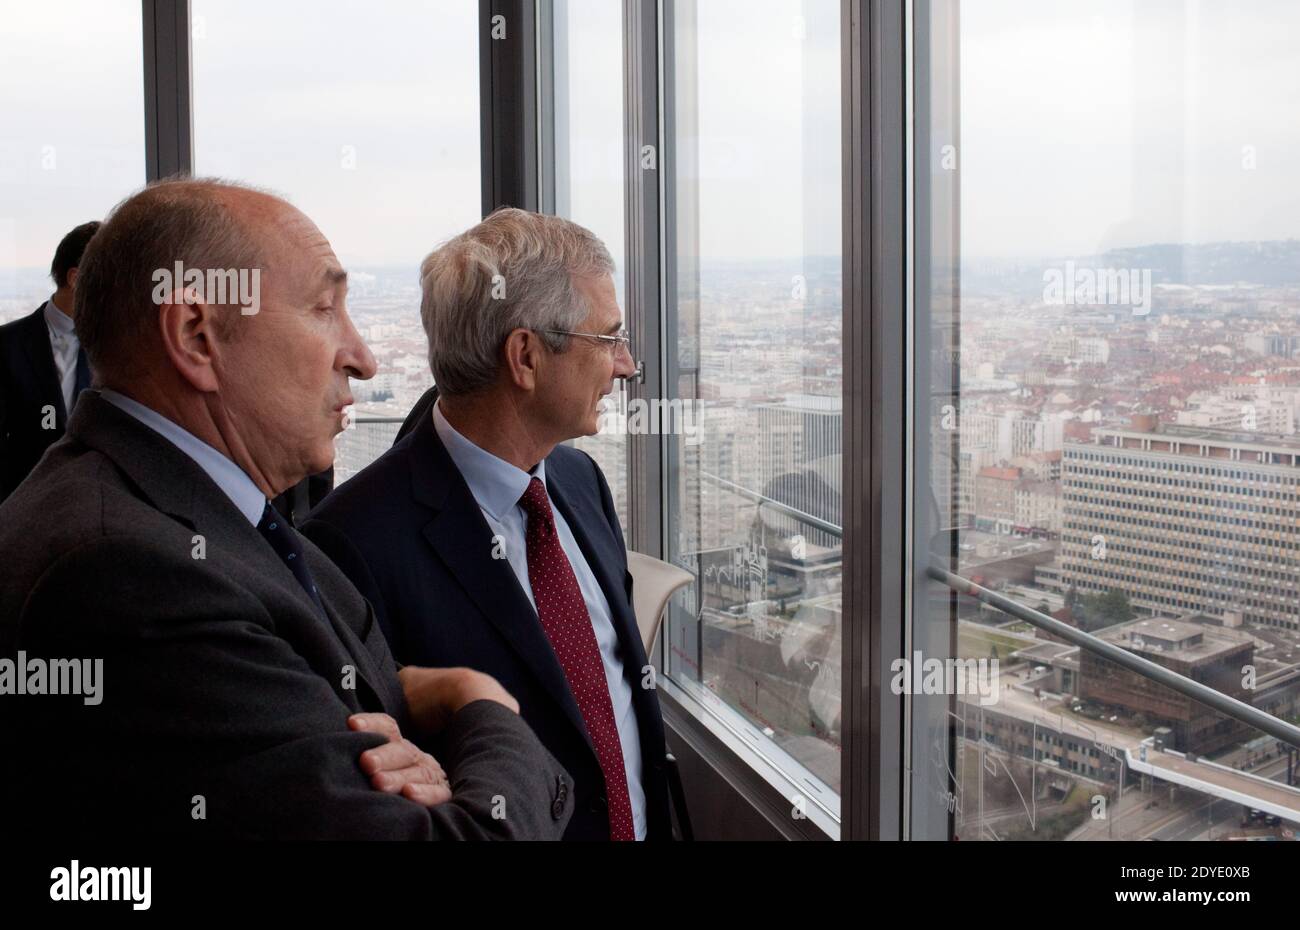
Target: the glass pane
pixel 73 140
pixel 367 118
pixel 1107 283
pixel 587 71
pixel 754 333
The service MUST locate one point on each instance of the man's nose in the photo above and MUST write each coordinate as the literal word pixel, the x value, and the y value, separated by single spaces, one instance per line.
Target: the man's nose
pixel 357 357
pixel 624 365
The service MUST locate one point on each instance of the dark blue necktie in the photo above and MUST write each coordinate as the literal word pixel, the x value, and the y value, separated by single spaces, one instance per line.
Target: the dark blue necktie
pixel 83 377
pixel 275 529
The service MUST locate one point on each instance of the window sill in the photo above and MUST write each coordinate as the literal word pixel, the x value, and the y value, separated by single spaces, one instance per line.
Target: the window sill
pixel 760 771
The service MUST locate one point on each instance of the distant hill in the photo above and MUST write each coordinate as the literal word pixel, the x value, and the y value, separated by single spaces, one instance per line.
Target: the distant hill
pixel 1269 263
pixel 1272 263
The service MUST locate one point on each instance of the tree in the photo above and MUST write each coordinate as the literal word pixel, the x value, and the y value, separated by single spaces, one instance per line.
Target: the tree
pixel 1115 606
pixel 1102 610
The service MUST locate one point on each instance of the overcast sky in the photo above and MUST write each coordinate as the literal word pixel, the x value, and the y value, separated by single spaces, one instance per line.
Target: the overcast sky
pixel 1084 125
pixel 1087 126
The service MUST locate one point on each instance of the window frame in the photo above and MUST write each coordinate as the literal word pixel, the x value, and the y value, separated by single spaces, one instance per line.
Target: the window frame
pixel 877 568
pixel 168 123
pixel 517 152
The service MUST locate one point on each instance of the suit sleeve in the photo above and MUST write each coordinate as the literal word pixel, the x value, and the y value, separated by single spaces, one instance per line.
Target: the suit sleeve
pixel 201 699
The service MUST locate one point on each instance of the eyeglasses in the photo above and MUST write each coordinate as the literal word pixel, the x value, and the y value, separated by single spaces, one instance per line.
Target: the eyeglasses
pixel 622 339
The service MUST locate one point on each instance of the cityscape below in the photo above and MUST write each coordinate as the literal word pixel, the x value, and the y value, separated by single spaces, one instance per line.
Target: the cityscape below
pixel 1131 469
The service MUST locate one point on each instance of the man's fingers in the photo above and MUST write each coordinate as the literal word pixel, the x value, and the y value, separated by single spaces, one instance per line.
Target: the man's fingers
pixel 390 757
pixel 395 757
pixel 419 774
pixel 376 723
pixel 428 795
pixel 399 765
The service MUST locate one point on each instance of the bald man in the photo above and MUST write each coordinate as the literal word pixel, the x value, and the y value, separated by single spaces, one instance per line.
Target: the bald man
pixel 180 661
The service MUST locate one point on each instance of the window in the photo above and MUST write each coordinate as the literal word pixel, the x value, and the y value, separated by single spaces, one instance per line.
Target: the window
pixel 586 75
pixel 754 351
pixel 1106 252
pixel 73 142
pixel 368 121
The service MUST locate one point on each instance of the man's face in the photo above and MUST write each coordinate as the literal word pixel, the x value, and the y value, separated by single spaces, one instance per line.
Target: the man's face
pixel 580 377
pixel 284 373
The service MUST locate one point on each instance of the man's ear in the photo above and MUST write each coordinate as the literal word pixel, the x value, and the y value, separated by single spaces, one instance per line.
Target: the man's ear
pixel 187 327
pixel 523 357
pixel 72 278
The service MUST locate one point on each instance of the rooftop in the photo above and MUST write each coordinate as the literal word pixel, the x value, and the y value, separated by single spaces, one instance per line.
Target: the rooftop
pixel 1181 639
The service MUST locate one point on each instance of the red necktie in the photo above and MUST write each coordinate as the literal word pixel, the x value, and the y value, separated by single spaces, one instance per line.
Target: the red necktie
pixel 567 624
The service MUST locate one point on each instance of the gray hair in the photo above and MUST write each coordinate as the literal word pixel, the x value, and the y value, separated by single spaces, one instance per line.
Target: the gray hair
pixel 514 270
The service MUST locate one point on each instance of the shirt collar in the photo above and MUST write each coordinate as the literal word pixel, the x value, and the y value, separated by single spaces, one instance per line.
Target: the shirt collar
pixel 496 485
pixel 233 480
pixel 57 320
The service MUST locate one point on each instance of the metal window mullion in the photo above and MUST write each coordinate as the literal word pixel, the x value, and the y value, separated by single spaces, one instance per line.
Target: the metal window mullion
pixel 933 241
pixel 508 104
pixel 168 127
pixel 552 107
pixel 875 413
pixel 643 237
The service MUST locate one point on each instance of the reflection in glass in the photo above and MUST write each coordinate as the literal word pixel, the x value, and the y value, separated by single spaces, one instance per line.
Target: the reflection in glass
pixel 1107 393
pixel 754 333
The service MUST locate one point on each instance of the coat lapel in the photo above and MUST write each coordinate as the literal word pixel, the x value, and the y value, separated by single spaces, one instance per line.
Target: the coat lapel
pixel 368 673
pixel 173 483
pixel 41 354
pixel 462 539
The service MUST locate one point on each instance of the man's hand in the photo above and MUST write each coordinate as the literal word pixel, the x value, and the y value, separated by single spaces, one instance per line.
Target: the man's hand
pixel 400 766
pixel 435 694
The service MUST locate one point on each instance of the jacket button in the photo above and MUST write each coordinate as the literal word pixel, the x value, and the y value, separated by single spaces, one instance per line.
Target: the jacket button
pixel 561 795
pixel 599 803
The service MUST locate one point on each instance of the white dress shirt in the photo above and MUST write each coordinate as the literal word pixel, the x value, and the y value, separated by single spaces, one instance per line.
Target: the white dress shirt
pixel 497 487
pixel 233 480
pixel 65 345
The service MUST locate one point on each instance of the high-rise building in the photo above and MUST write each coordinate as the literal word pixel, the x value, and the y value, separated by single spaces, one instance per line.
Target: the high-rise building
pixel 800 444
pixel 1184 519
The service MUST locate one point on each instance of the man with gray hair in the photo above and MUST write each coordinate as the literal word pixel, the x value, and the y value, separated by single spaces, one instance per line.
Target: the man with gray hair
pixel 482 541
pixel 247 691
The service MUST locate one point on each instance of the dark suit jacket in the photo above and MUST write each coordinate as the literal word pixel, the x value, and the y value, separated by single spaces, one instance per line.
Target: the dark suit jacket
pixel 410 535
pixel 220 678
pixel 29 381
